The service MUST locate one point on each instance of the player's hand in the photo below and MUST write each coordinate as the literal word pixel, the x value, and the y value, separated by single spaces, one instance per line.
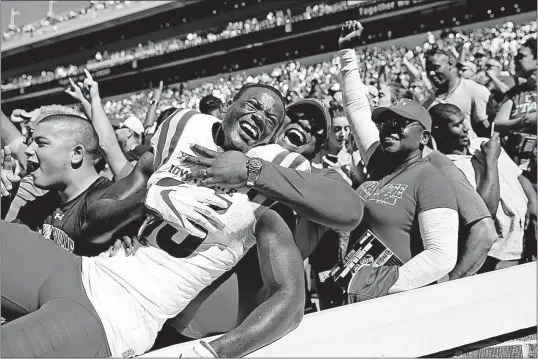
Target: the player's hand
pixel 75 91
pixel 187 206
pixel 492 148
pixel 10 172
pixel 130 245
pixel 227 169
pixel 350 35
pixel 90 86
pixel 157 93
pixel 198 350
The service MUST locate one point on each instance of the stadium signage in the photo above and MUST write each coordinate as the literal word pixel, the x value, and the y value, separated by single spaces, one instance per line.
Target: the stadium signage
pixel 386 6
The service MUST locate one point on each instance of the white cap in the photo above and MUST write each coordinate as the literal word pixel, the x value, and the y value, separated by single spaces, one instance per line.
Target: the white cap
pixel 134 124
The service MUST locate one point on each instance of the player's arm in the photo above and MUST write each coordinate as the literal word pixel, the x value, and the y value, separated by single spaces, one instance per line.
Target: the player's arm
pixel 282 270
pixel 121 204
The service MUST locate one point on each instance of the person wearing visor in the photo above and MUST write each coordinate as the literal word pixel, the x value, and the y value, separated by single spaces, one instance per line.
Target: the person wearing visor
pixel 130 135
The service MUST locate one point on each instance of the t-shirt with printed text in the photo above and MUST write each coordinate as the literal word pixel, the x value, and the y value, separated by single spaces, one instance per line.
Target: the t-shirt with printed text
pixel 63 222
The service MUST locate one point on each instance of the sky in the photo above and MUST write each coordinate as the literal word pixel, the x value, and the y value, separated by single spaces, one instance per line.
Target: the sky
pixel 31 11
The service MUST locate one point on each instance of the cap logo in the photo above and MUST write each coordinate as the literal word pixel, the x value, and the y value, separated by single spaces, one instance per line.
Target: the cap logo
pixel 400 102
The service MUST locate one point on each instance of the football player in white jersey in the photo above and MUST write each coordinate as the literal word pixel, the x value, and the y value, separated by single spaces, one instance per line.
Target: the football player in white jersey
pixel 125 300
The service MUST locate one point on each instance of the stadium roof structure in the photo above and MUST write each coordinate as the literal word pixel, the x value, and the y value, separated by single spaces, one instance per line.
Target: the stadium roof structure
pixel 74 27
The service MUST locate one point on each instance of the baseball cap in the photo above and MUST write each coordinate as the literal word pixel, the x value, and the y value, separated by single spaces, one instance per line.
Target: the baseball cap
pixel 316 109
pixel 209 103
pixel 405 108
pixel 132 123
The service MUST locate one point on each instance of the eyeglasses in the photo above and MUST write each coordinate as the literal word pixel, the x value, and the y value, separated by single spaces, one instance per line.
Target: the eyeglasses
pixel 397 124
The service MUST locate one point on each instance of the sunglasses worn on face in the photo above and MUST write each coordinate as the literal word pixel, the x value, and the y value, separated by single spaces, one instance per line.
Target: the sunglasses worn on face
pixel 315 124
pixel 398 124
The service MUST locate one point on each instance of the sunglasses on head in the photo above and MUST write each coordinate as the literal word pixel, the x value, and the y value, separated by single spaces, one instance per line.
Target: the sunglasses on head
pixel 395 123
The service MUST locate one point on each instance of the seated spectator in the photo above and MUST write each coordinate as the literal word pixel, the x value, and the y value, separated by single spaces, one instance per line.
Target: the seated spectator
pixel 509 195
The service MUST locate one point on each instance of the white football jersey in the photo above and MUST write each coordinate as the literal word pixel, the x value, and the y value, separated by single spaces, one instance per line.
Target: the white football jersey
pixel 135 295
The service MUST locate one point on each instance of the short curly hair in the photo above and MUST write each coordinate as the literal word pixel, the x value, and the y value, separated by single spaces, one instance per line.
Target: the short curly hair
pixel 243 89
pixel 531 44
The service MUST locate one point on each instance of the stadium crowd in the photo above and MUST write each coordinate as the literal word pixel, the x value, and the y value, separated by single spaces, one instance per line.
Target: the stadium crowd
pixel 185 41
pixel 128 222
pixel 54 21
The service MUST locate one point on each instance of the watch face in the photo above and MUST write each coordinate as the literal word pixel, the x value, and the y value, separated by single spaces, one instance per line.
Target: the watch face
pixel 255 163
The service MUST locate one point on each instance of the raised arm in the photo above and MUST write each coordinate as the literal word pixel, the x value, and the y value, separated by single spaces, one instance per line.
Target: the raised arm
pixel 282 272
pixel 152 109
pixel 12 137
pixel 107 138
pixel 355 101
pixel 487 173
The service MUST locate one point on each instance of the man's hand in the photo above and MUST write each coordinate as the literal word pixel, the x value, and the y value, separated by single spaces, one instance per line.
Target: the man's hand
pixel 75 91
pixel 21 116
pixel 10 172
pixel 350 35
pixel 157 93
pixel 226 169
pixel 130 245
pixel 492 148
pixel 90 86
pixel 529 119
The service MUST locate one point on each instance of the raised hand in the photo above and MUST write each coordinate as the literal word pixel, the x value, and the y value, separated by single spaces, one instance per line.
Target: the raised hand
pixel 90 86
pixel 157 93
pixel 75 91
pixel 350 35
pixel 492 148
pixel 10 172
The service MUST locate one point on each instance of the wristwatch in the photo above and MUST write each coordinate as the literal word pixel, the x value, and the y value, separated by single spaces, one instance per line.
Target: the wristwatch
pixel 254 168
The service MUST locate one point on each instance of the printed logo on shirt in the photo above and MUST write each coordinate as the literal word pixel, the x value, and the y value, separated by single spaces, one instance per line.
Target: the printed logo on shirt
pixel 388 194
pixel 59 237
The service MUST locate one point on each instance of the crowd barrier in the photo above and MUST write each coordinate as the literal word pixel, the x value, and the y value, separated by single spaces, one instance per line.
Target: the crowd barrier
pixel 417 323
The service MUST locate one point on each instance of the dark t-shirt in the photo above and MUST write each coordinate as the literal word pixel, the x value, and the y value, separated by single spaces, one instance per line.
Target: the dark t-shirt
pixel 393 201
pixel 62 222
pixel 521 146
pixel 137 152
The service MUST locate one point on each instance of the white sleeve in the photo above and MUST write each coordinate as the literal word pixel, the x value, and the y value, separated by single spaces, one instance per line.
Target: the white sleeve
pixel 356 104
pixel 439 231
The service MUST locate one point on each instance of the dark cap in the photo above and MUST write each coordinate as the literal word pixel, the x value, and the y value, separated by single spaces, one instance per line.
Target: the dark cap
pixel 406 108
pixel 209 103
pixel 316 109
